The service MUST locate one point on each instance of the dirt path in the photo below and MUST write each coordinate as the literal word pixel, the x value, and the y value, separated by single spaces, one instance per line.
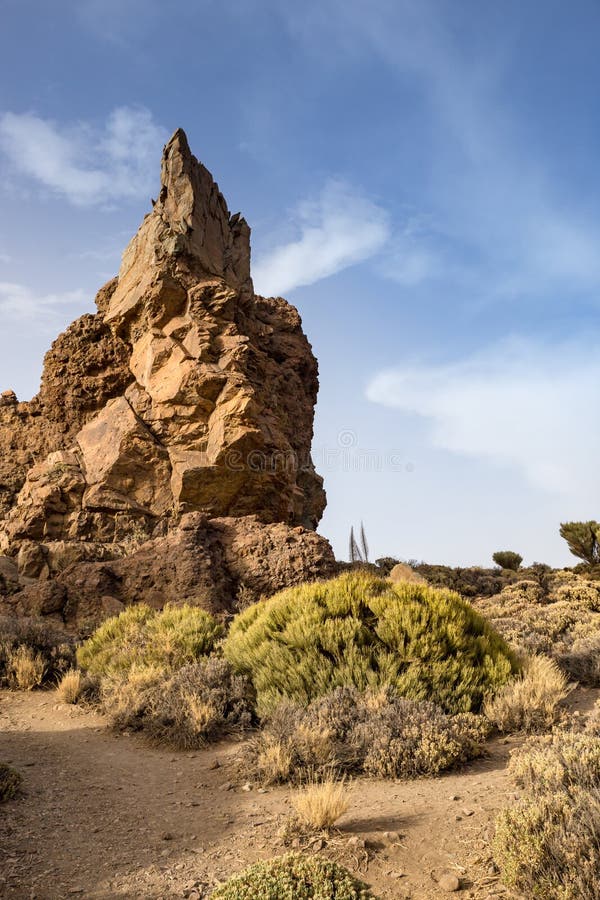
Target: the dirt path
pixel 106 816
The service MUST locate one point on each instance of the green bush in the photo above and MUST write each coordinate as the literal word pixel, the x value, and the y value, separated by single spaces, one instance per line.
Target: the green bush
pixel 10 782
pixel 508 559
pixel 142 637
pixel 363 631
pixel 293 877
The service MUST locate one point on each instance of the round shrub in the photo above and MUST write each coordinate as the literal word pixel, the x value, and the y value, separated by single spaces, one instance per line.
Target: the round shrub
pixel 361 630
pixel 142 637
pixel 293 877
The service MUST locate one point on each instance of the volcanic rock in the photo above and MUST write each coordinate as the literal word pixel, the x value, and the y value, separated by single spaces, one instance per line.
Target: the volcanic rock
pixel 185 394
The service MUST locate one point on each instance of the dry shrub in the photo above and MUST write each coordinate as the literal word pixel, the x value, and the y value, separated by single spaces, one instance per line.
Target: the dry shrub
pixel 592 725
pixel 182 709
pixel 54 645
pixel 10 782
pixel 557 761
pixel 363 631
pixel 374 733
pixel 70 687
pixel 548 845
pixel 319 804
pixel 25 669
pixel 293 875
pixel 582 661
pixel 531 701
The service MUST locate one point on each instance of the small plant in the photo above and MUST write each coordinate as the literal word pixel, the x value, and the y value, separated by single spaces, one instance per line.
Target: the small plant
pixel 293 876
pixel 319 804
pixel 508 559
pixel 531 701
pixel 25 668
pixel 70 686
pixel 10 782
pixel 359 553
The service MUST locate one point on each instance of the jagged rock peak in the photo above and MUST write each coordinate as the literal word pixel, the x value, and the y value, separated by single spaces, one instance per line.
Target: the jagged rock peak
pixel 189 235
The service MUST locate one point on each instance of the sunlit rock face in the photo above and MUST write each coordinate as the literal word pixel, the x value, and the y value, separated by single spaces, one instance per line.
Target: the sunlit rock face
pixel 185 393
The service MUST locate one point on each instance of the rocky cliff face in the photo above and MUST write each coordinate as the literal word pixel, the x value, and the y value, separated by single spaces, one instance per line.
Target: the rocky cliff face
pixel 185 393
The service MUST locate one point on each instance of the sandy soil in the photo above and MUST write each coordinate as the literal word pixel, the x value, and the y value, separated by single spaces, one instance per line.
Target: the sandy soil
pixel 107 816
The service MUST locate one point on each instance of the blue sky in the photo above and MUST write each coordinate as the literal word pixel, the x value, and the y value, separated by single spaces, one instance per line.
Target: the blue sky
pixel 421 181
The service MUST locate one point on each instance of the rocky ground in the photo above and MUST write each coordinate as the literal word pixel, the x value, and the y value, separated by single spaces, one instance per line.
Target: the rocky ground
pixel 107 816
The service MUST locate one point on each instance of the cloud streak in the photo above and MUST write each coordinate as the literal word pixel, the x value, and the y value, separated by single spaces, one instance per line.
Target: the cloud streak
pixel 87 166
pixel 519 403
pixel 339 229
pixel 20 303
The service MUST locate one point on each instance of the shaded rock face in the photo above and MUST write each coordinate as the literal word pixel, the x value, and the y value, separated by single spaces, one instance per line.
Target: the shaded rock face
pixel 185 393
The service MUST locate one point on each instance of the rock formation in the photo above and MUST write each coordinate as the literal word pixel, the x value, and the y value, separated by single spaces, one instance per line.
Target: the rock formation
pixel 167 454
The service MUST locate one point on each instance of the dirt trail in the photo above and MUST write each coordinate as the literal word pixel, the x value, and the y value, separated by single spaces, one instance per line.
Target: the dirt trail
pixel 106 816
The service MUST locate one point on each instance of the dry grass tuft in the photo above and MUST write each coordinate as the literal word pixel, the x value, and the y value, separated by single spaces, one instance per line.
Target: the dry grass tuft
pixel 319 805
pixel 25 668
pixel 531 701
pixel 70 687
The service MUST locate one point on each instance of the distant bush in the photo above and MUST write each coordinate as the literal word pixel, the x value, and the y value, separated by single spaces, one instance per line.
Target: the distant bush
pixel 48 650
pixel 182 708
pixel 508 559
pixel 10 782
pixel 548 845
pixel 293 876
pixel 143 637
pixel 363 631
pixel 583 539
pixel 372 733
pixel 386 564
pixel 531 701
pixel 469 582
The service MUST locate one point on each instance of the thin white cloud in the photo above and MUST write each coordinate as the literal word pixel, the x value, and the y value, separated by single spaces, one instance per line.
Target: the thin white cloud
pixel 513 228
pixel 341 228
pixel 19 302
pixel 519 403
pixel 86 165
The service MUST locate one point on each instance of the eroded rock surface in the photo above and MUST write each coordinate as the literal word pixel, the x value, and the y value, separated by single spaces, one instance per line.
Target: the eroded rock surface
pixel 185 393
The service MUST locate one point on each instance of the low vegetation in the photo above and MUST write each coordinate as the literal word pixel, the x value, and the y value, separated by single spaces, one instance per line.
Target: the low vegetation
pixel 548 844
pixel 363 631
pixel 319 804
pixel 141 636
pixel 33 652
pixel 183 708
pixel 532 700
pixel 10 782
pixel 372 733
pixel 293 876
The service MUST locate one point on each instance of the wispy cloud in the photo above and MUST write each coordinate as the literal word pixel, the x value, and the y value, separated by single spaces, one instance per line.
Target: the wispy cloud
pixel 510 227
pixel 19 302
pixel 519 403
pixel 84 164
pixel 342 227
